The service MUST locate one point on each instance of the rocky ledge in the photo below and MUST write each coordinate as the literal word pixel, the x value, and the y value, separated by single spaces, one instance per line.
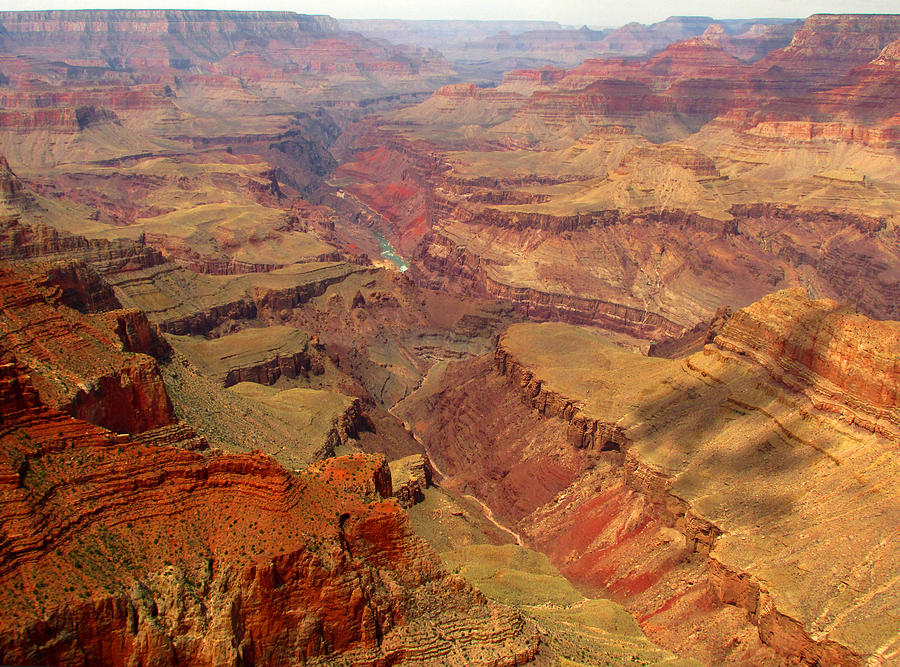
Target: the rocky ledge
pixel 844 362
pixel 799 364
pixel 96 366
pixel 119 552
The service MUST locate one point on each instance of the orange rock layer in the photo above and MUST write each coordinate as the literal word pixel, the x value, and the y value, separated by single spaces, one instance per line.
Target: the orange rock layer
pixel 846 362
pixel 94 366
pixel 116 551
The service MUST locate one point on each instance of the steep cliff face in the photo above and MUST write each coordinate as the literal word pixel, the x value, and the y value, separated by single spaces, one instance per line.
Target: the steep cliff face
pixel 392 181
pixel 96 367
pixel 858 108
pixel 158 46
pixel 30 120
pixel 699 492
pixel 83 288
pixel 10 186
pixel 121 551
pixel 260 355
pixel 21 240
pixel 188 33
pixel 564 492
pixel 184 303
pixel 828 46
pixel 117 98
pixel 672 270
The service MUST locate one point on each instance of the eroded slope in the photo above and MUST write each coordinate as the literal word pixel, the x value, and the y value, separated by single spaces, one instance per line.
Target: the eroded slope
pixel 118 551
pixel 683 486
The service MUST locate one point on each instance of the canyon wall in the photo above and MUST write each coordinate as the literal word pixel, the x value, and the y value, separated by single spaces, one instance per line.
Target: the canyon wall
pixel 95 366
pixel 697 492
pixel 134 552
pixel 665 187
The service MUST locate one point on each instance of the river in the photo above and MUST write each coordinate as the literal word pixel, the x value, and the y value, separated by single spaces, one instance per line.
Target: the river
pixel 388 252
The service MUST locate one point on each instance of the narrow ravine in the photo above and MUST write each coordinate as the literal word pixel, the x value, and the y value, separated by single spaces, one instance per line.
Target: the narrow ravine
pixel 485 510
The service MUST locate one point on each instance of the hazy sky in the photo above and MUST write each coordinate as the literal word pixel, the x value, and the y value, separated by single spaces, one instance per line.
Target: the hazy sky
pixel 574 12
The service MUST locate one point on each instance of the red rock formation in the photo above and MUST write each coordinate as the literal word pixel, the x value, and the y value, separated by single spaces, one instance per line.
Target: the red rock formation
pixel 164 44
pixel 81 363
pixel 570 489
pixel 861 109
pixel 118 551
pixel 541 77
pixel 58 120
pixel 698 57
pixel 544 306
pixel 119 98
pixel 699 76
pixel 390 180
pixel 603 498
pixel 82 287
pixel 39 33
pixel 828 46
pixel 636 39
pixel 596 102
pixel 753 44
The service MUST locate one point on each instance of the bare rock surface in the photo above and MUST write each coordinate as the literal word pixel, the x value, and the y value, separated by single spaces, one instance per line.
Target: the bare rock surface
pixel 728 470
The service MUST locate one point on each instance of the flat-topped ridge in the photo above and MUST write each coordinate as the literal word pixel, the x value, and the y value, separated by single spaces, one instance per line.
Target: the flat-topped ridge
pixel 730 445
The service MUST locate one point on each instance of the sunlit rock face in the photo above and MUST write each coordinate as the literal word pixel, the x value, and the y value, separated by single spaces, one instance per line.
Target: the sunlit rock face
pixel 728 469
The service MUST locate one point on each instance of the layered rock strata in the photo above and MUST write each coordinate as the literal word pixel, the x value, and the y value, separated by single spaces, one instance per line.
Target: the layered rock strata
pixel 643 195
pixel 21 240
pixel 251 564
pixel 181 302
pixel 94 366
pixel 261 355
pixel 844 362
pixel 723 467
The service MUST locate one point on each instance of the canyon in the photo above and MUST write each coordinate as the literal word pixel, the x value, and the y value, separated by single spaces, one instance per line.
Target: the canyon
pixel 635 474
pixel 382 342
pixel 665 209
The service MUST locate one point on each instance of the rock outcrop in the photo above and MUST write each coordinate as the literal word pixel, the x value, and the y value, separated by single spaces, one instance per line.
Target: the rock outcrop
pixel 261 355
pixel 185 303
pixel 138 552
pixel 163 46
pixel 94 366
pixel 21 240
pixel 411 475
pixel 845 362
pixel 10 186
pixel 829 46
